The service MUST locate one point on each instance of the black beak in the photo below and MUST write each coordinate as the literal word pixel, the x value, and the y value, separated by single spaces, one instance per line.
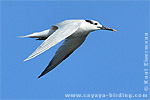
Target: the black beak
pixel 106 28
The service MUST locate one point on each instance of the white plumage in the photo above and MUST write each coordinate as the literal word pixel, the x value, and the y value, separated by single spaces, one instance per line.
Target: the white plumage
pixel 74 31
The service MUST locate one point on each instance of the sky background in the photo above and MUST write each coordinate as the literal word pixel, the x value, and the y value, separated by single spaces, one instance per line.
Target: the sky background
pixel 107 62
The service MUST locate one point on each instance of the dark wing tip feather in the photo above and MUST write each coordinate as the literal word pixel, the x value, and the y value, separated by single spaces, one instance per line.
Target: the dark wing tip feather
pixel 43 73
pixel 40 76
pixel 46 69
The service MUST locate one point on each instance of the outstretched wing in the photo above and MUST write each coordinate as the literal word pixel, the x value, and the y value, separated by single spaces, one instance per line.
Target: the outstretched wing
pixel 64 30
pixel 67 48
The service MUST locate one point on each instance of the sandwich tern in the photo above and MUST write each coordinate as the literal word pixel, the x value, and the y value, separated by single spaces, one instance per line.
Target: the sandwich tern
pixel 74 32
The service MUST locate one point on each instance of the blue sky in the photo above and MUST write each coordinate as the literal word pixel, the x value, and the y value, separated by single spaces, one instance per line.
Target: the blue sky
pixel 107 62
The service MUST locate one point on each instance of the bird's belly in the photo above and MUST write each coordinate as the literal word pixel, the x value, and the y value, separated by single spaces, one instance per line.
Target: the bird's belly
pixel 79 33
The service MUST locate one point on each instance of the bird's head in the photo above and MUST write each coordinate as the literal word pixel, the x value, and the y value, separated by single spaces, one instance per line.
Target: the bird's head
pixel 94 25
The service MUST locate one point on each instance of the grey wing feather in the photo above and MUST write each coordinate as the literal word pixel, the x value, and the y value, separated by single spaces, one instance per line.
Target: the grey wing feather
pixel 67 48
pixel 60 34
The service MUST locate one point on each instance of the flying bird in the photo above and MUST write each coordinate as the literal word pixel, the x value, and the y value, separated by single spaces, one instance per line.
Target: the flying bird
pixel 74 32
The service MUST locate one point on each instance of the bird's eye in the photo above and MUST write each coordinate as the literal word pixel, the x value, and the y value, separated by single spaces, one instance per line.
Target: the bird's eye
pixel 95 23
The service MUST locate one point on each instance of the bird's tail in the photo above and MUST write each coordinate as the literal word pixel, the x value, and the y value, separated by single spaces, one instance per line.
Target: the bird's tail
pixel 37 34
pixel 22 36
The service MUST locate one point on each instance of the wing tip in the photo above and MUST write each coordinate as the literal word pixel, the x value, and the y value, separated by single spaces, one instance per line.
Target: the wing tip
pixel 43 73
pixel 30 57
pixel 26 59
pixel 40 75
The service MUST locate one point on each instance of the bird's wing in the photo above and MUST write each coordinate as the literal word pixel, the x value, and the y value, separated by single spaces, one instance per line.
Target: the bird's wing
pixel 63 31
pixel 70 44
